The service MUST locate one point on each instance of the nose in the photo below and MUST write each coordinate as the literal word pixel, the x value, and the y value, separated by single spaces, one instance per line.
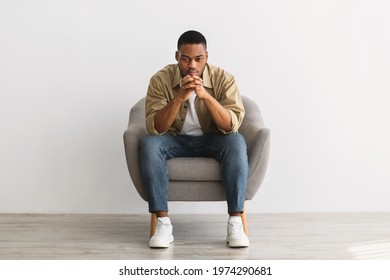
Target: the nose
pixel 192 63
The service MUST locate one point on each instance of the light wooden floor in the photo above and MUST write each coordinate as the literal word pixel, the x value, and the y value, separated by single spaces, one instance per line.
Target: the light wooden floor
pixel 272 236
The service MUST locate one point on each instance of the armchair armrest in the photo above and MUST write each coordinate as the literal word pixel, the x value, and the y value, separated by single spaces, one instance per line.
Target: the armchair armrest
pixel 257 138
pixel 135 131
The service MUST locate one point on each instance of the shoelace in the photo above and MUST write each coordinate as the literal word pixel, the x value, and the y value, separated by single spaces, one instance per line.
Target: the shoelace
pixel 235 228
pixel 160 227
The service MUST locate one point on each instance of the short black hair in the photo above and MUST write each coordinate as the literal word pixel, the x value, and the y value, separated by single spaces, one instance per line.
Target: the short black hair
pixel 191 37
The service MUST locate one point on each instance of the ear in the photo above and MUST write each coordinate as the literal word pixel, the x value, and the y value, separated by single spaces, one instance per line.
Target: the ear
pixel 207 55
pixel 177 56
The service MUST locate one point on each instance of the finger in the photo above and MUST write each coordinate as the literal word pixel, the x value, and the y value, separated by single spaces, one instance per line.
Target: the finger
pixel 188 86
pixel 187 79
pixel 198 83
pixel 196 77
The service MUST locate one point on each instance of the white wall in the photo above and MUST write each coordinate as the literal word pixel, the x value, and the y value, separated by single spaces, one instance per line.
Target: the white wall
pixel 70 71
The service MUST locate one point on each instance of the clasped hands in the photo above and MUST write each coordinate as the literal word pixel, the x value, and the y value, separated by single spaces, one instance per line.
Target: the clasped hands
pixel 189 84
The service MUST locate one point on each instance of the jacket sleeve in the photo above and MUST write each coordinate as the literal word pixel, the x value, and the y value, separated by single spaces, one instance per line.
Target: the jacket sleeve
pixel 229 98
pixel 155 101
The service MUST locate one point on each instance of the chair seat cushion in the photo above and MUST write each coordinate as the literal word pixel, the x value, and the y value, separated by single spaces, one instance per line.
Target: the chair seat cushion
pixel 194 169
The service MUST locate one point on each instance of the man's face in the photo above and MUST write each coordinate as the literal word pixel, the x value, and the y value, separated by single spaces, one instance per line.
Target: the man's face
pixel 192 59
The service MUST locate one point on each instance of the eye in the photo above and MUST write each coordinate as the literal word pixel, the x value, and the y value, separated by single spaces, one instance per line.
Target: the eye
pixel 199 59
pixel 184 59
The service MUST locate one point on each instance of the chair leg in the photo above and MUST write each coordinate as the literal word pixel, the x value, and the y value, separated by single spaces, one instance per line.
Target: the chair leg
pixel 153 223
pixel 243 217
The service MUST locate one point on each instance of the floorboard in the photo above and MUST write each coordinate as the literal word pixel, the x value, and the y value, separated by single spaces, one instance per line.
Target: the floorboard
pixel 328 236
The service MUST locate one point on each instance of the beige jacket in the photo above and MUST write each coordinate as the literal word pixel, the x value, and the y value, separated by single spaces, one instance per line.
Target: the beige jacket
pixel 165 84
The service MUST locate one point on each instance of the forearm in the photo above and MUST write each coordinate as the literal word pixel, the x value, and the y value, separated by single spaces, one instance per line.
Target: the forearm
pixel 219 114
pixel 164 118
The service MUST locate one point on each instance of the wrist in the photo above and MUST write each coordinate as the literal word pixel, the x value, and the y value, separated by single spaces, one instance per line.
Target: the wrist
pixel 203 94
pixel 177 100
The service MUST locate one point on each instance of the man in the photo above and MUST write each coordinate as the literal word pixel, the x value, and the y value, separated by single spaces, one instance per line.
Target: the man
pixel 194 109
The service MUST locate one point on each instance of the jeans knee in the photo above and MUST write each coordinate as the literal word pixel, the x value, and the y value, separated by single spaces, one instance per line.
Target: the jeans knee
pixel 237 145
pixel 149 145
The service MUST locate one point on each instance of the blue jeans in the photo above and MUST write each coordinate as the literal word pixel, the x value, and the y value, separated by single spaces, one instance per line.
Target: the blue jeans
pixel 229 149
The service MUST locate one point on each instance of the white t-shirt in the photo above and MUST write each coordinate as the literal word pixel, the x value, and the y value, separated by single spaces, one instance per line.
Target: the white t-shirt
pixel 191 124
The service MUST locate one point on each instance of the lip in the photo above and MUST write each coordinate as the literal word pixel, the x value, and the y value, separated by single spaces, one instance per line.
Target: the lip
pixel 193 72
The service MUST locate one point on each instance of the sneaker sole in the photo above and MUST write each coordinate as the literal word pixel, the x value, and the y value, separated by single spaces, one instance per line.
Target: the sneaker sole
pixel 159 244
pixel 237 243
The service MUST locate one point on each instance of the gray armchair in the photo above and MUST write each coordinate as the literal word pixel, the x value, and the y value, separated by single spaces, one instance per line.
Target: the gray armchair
pixel 185 184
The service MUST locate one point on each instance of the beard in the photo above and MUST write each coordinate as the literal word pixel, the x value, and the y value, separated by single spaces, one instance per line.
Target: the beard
pixel 191 72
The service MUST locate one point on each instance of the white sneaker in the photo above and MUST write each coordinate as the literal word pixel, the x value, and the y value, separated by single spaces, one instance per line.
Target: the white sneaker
pixel 236 236
pixel 163 235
